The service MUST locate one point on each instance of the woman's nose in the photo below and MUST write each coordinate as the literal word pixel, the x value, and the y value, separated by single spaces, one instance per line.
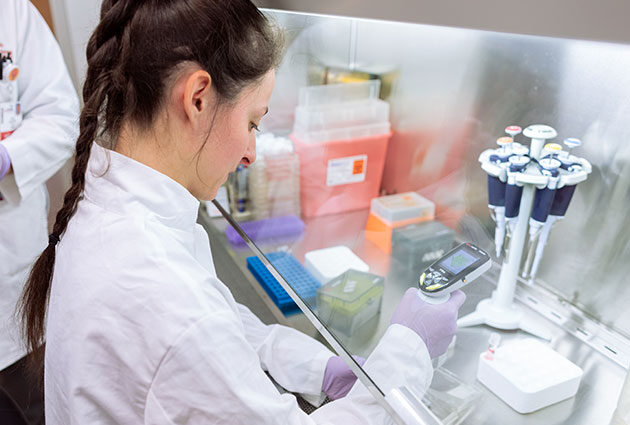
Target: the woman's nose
pixel 250 153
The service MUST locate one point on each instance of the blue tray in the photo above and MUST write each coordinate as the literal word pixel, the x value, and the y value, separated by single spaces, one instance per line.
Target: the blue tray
pixel 290 268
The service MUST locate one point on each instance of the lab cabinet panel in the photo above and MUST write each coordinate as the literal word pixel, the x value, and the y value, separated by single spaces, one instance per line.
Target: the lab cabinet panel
pixel 603 20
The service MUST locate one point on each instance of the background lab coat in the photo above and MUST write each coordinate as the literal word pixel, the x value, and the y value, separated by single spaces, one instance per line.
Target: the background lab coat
pixel 38 149
pixel 141 331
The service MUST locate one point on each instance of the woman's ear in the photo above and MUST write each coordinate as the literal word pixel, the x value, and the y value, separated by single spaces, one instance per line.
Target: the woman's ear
pixel 197 95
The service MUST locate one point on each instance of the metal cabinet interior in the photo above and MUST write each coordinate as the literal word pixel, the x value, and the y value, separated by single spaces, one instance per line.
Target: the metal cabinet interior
pixel 604 20
pixel 454 93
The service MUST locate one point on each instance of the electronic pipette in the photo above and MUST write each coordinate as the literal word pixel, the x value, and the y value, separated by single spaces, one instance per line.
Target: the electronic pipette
pixel 457 268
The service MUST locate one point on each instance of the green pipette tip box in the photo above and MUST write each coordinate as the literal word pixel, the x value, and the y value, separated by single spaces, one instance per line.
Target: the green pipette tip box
pixel 350 300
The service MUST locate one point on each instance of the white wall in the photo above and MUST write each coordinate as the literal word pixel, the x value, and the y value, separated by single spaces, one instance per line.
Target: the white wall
pixel 74 21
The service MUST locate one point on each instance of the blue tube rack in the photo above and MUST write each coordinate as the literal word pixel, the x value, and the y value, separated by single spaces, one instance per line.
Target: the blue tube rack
pixel 303 282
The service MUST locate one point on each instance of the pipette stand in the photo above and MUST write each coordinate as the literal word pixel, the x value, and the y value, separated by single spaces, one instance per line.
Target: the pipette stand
pixel 500 311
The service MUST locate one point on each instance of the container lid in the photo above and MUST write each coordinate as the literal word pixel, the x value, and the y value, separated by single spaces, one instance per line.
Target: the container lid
pixel 328 263
pixel 340 115
pixel 359 132
pixel 402 206
pixel 352 285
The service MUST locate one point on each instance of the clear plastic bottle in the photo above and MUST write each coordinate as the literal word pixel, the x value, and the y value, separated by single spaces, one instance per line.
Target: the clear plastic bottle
pixel 274 179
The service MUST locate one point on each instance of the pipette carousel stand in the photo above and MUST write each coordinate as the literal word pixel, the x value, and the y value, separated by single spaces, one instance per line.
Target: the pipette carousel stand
pixel 500 311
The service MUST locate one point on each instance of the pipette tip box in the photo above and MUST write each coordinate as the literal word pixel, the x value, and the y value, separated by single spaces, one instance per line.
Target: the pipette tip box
pixel 350 300
pixel 393 211
pixel 304 284
pixel 328 263
pixel 416 246
pixel 402 206
pixel 528 375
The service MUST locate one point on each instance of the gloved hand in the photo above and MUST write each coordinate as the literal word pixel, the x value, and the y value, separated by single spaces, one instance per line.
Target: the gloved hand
pixel 5 161
pixel 338 378
pixel 436 324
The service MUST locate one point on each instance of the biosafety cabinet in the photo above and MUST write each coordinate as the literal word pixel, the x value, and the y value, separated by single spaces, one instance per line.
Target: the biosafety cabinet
pixel 419 102
pixel 431 104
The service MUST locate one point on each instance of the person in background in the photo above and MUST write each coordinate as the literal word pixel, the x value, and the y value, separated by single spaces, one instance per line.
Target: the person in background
pixel 138 328
pixel 38 126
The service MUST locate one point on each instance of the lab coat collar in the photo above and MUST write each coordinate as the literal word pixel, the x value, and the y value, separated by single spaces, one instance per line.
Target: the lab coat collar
pixel 127 187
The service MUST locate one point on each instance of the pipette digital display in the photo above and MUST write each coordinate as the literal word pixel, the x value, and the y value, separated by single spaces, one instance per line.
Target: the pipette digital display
pixel 458 267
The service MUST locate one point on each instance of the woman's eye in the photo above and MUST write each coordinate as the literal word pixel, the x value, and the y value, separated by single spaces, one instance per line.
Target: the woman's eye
pixel 253 126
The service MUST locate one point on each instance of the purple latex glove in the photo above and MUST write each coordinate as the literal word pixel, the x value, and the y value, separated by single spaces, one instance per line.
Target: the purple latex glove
pixel 436 324
pixel 338 378
pixel 5 161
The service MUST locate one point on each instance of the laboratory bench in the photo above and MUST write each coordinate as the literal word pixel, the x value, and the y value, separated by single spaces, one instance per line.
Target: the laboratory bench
pixel 602 379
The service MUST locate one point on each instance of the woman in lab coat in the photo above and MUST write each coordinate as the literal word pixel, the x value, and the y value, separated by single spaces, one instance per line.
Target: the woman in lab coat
pixel 139 330
pixel 39 110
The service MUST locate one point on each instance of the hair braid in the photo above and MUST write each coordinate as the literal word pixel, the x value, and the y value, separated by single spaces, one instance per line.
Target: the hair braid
pixel 102 51
pixel 134 50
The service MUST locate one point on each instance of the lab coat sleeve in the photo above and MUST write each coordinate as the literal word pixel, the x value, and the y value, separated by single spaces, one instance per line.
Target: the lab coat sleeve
pixel 294 360
pixel 400 359
pixel 45 139
pixel 212 375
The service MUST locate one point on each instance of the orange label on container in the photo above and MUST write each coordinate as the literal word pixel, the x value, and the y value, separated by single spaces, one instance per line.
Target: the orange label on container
pixel 350 169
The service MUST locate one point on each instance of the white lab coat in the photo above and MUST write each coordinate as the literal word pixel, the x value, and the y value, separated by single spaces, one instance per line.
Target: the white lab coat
pixel 141 331
pixel 38 149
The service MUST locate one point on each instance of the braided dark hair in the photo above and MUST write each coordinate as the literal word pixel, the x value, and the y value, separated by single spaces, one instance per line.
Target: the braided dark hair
pixel 135 48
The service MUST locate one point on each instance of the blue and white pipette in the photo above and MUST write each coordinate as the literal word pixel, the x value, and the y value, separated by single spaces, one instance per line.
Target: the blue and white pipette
pixel 513 130
pixel 551 150
pixel 561 201
pixel 496 190
pixel 572 142
pixel 543 200
pixel 517 164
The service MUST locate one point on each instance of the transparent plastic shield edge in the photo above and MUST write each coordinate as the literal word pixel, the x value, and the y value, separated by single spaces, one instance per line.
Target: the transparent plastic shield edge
pixel 401 404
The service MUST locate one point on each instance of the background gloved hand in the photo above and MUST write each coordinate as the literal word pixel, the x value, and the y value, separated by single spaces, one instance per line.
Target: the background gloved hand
pixel 338 378
pixel 5 161
pixel 436 324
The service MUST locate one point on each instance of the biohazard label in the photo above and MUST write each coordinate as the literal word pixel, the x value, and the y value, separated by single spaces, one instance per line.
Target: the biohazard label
pixel 350 169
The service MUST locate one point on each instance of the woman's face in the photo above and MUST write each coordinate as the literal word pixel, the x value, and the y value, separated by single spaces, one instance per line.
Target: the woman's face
pixel 232 138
